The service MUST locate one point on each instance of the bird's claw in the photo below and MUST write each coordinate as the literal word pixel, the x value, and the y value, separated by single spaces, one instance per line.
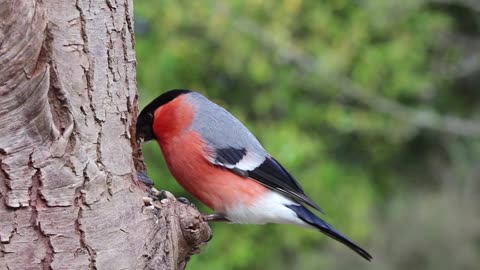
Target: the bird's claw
pixel 187 202
pixel 164 194
pixel 215 217
pixel 154 192
pixel 142 176
pixel 183 200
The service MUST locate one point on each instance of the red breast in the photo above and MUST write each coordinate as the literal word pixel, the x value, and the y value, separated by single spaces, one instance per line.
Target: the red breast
pixel 172 119
pixel 185 154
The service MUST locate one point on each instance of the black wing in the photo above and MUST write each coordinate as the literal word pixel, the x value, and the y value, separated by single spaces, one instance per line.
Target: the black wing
pixel 229 158
pixel 269 173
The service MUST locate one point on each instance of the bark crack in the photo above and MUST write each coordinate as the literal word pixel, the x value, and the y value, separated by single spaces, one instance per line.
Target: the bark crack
pixel 132 108
pixel 2 250
pixel 89 79
pixel 111 58
pixel 129 22
pixel 6 179
pixel 110 5
pixel 79 204
pixel 99 147
pixel 83 27
pixel 15 222
pixel 88 71
pixel 60 105
pixel 92 254
pixel 37 204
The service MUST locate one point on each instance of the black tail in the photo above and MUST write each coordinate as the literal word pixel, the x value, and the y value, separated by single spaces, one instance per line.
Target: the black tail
pixel 307 216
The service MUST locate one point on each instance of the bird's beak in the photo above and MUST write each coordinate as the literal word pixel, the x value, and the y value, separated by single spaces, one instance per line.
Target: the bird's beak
pixel 144 135
pixel 140 139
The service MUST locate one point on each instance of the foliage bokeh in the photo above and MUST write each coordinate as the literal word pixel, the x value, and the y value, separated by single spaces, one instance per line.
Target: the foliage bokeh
pixel 370 104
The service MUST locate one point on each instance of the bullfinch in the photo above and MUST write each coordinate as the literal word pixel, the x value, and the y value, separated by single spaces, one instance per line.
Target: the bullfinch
pixel 219 161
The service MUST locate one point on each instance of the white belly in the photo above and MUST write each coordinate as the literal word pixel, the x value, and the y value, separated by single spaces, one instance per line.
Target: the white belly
pixel 271 208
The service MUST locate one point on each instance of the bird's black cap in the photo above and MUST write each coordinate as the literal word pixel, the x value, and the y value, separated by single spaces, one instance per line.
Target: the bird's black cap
pixel 146 117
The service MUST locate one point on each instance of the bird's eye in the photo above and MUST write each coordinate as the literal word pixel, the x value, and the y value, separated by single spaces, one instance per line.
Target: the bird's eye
pixel 150 115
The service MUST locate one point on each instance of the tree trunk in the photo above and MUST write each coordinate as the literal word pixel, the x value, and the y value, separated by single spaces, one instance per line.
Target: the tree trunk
pixel 69 196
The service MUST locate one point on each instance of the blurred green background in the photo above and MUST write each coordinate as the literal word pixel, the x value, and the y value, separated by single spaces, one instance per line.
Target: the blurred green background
pixel 373 106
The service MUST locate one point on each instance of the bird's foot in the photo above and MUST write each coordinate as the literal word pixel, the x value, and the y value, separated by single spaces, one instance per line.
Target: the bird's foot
pixel 187 202
pixel 164 195
pixel 215 217
pixel 184 200
pixel 156 196
pixel 142 176
pixel 161 195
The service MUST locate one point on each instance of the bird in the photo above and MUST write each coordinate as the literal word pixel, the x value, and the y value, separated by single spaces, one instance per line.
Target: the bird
pixel 216 158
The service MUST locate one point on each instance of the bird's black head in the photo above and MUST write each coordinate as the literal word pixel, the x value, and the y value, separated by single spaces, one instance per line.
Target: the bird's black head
pixel 146 117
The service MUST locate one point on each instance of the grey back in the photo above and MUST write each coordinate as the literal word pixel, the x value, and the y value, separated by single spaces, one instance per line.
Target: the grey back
pixel 220 128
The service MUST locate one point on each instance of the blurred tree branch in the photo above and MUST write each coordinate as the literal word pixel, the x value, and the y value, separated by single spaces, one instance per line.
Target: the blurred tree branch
pixel 287 52
pixel 471 4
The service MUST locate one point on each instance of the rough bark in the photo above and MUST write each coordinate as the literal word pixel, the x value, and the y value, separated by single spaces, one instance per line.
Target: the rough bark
pixel 69 198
